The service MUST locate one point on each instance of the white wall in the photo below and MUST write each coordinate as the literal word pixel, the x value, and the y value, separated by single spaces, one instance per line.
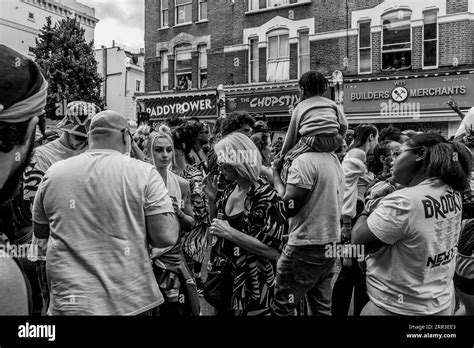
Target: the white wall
pixel 121 80
pixel 18 31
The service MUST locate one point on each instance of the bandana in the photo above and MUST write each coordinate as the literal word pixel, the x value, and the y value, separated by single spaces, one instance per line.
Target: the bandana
pixel 27 108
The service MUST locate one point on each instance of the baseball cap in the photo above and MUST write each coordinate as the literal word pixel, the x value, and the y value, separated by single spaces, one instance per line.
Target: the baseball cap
pixel 108 120
pixel 23 89
pixel 78 118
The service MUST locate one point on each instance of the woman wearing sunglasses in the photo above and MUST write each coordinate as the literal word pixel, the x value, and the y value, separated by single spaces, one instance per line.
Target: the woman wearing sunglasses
pixel 411 236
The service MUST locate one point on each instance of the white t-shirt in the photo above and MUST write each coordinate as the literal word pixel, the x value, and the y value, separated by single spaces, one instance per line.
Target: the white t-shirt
pixel 98 258
pixel 413 275
pixel 317 223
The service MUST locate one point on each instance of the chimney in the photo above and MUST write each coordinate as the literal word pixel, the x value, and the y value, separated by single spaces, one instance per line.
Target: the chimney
pixel 113 43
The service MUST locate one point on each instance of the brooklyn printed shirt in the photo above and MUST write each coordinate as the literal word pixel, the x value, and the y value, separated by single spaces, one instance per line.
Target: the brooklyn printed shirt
pixel 96 204
pixel 413 275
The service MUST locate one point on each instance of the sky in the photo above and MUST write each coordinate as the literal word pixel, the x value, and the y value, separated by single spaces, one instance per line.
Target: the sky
pixel 119 20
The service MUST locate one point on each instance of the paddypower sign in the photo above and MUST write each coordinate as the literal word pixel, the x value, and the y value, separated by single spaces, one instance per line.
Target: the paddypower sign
pixel 426 93
pixel 182 106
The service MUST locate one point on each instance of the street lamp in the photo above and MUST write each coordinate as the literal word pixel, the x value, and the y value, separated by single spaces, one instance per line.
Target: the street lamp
pixel 220 100
pixel 337 79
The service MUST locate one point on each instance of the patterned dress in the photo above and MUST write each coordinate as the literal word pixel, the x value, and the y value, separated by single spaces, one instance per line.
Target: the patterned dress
pixel 195 242
pixel 253 275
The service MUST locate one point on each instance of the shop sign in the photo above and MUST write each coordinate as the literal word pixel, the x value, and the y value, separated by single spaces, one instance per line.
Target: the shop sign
pixel 182 106
pixel 278 101
pixel 410 95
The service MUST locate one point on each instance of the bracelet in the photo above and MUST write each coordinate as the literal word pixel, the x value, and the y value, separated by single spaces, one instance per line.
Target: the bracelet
pixel 364 214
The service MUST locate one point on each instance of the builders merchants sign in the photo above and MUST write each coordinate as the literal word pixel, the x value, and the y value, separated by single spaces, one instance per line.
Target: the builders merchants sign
pixel 427 93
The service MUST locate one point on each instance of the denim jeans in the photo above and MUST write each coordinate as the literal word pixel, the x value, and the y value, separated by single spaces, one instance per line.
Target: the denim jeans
pixel 303 270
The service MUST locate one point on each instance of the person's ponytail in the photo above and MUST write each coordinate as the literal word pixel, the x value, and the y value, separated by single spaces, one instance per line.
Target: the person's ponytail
pixel 451 162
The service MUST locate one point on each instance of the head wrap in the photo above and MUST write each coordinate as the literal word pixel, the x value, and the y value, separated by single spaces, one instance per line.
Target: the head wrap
pixel 23 89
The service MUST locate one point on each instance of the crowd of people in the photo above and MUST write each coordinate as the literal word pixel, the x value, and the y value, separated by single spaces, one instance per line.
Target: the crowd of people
pixel 125 223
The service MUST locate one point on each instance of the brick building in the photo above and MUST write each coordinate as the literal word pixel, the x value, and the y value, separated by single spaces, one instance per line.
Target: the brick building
pixel 400 59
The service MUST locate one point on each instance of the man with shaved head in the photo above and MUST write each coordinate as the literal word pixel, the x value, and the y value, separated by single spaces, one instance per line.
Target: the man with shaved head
pixel 100 210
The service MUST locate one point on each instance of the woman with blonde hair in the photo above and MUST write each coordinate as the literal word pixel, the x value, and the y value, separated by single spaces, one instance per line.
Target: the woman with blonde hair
pixel 171 271
pixel 250 225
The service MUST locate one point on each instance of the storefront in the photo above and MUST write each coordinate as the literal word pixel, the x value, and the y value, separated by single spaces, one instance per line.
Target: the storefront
pixel 275 102
pixel 157 107
pixel 409 102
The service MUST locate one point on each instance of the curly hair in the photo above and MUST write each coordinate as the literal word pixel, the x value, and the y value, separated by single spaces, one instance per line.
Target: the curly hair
pixel 314 83
pixel 449 161
pixel 12 134
pixel 381 149
pixel 392 133
pixel 235 121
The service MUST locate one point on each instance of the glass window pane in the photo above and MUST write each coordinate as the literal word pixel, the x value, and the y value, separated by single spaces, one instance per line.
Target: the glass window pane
pixel 273 47
pixel 183 60
pixel 203 11
pixel 202 58
pixel 364 34
pixel 304 43
pixel 429 53
pixel 396 28
pixel 165 18
pixel 429 31
pixel 253 49
pixel 181 2
pixel 284 46
pixel 184 14
pixel 254 4
pixel 365 61
pixel 254 71
pixel 304 64
pixel 164 80
pixel 164 61
pixel 164 4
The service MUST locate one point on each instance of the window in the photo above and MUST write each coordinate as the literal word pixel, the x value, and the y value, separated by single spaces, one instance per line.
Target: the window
pixel 396 41
pixel 31 16
pixel 303 52
pixel 255 5
pixel 253 59
pixel 202 67
pixel 183 68
pixel 164 70
pixel 274 3
pixel 278 64
pixel 183 11
pixel 365 52
pixel 430 39
pixel 164 13
pixel 202 10
pixel 138 85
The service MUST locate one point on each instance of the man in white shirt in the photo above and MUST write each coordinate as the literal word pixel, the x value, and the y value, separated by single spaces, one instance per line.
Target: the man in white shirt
pixel 99 211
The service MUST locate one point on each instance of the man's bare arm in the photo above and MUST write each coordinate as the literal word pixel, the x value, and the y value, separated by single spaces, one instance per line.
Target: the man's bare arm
pixel 162 229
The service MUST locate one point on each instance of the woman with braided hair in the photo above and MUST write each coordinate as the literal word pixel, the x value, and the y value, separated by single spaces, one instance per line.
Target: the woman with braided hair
pixel 411 237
